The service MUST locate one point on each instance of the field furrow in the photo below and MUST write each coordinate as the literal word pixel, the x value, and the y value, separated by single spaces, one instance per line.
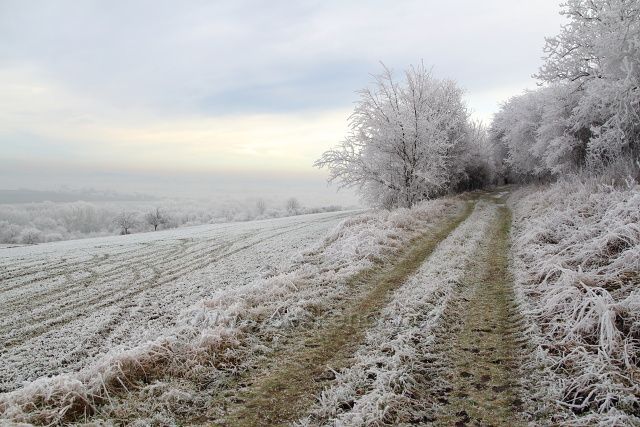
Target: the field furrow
pixel 92 295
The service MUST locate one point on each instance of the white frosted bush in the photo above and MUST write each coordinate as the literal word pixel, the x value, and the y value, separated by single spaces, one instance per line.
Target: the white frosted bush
pixel 30 236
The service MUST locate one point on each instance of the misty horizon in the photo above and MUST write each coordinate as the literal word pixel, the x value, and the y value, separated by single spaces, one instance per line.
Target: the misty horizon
pixel 311 189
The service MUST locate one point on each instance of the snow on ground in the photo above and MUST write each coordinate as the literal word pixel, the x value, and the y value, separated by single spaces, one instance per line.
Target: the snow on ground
pixel 66 303
pixel 577 270
pixel 231 322
pixel 376 389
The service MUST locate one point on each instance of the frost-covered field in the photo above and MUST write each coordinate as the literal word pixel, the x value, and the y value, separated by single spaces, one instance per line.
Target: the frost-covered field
pixel 577 269
pixel 66 303
pixel 230 322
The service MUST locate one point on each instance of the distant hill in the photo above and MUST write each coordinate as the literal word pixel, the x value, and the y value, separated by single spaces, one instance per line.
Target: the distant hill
pixel 32 196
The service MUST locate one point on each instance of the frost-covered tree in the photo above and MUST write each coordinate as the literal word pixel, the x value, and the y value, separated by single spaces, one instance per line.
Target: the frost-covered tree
pixel 560 145
pixel 292 205
pixel 31 236
pixel 588 112
pixel 81 216
pixel 9 233
pixel 536 135
pixel 406 140
pixel 515 128
pixel 155 219
pixel 597 53
pixel 126 221
pixel 261 206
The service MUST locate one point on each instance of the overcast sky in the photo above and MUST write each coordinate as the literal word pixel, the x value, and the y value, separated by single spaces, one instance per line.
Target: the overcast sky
pixel 204 96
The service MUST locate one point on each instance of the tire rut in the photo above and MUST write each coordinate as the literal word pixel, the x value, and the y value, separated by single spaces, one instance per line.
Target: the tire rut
pixel 475 375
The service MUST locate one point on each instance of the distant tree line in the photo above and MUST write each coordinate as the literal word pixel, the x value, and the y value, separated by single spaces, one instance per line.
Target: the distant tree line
pixel 31 223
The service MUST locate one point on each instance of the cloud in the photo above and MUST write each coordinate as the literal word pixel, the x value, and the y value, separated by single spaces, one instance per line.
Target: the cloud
pixel 275 55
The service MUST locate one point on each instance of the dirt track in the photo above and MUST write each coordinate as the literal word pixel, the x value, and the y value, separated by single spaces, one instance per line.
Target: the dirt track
pixel 474 356
pixel 478 345
pixel 281 390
